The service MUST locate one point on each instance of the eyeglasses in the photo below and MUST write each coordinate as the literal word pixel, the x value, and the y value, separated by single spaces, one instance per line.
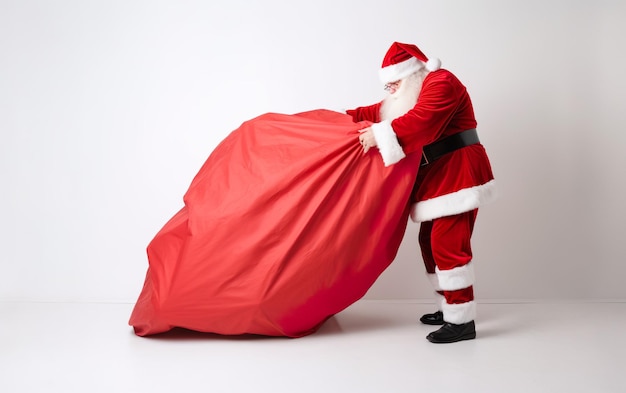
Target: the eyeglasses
pixel 392 85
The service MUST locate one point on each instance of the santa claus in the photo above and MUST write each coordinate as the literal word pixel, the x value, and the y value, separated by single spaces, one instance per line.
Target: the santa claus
pixel 428 109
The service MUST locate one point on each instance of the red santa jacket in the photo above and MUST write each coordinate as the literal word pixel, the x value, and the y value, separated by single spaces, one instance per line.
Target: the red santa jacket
pixel 459 181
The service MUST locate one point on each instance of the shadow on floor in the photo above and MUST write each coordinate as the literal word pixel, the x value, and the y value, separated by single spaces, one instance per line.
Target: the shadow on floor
pixel 345 323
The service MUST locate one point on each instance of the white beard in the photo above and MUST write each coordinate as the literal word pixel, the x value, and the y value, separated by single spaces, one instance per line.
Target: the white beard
pixel 405 98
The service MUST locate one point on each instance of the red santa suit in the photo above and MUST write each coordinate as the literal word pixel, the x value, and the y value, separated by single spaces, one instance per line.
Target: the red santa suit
pixel 448 190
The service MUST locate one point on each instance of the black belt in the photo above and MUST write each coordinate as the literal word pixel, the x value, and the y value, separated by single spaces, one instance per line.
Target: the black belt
pixel 447 145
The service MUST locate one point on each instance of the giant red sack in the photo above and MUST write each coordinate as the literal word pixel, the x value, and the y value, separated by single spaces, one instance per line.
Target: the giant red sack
pixel 287 223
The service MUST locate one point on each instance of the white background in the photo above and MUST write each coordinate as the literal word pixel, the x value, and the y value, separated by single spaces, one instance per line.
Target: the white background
pixel 109 108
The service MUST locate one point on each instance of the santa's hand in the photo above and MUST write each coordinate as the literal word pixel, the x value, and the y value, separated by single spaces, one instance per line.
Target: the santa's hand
pixel 367 139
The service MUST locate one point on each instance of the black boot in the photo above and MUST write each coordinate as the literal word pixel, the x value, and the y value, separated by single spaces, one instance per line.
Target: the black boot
pixel 432 319
pixel 450 333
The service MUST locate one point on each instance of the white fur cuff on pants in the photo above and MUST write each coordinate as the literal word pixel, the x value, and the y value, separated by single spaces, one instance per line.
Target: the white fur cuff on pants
pixel 454 279
pixel 459 313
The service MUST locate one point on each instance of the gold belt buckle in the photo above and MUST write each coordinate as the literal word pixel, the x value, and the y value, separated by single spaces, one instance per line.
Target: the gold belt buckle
pixel 424 159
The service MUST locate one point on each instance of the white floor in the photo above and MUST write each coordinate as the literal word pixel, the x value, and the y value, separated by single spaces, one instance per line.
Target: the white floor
pixel 370 347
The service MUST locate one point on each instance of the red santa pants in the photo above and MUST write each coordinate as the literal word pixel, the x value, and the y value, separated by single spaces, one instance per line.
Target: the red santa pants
pixel 447 253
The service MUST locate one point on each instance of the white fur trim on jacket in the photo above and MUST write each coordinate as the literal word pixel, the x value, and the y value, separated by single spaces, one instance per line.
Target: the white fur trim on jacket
pixel 457 278
pixel 457 202
pixel 387 142
pixel 459 313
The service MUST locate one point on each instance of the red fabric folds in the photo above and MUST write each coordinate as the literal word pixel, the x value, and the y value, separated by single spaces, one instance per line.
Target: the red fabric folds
pixel 286 224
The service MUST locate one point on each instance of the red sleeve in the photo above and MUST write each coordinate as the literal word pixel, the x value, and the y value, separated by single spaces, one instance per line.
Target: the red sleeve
pixel 426 122
pixel 371 113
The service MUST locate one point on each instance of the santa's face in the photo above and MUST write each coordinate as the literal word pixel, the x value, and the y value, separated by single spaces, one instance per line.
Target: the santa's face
pixel 392 87
pixel 402 96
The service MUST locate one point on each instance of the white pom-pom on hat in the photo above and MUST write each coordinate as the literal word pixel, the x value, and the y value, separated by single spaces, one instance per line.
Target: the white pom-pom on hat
pixel 433 64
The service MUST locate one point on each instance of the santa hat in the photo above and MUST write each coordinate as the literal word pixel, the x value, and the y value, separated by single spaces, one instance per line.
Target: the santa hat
pixel 402 60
